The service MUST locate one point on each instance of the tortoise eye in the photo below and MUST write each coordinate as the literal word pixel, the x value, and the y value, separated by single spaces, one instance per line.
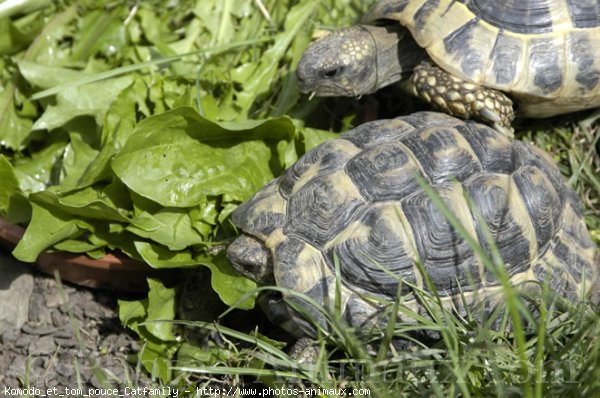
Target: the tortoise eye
pixel 333 72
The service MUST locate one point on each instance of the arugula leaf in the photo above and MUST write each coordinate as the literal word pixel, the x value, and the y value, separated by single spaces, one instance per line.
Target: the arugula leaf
pixel 92 99
pixel 14 130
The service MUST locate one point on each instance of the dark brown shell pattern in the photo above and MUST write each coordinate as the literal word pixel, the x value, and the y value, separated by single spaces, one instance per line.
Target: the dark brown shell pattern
pixel 357 201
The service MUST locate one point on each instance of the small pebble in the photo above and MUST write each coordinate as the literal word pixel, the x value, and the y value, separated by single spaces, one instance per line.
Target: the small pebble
pixel 43 346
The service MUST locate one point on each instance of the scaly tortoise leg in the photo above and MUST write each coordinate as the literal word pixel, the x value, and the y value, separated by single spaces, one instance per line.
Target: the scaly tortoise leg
pixel 460 98
pixel 305 350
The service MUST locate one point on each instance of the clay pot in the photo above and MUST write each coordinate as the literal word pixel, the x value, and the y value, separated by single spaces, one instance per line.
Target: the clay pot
pixel 113 271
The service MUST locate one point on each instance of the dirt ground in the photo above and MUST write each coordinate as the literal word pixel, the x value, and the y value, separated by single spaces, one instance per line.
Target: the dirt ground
pixel 72 338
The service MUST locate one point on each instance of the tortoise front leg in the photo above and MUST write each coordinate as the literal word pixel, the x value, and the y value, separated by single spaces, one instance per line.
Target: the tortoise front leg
pixel 460 98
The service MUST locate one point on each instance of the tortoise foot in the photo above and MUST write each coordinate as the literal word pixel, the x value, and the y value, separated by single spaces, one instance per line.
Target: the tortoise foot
pixel 305 350
pixel 460 98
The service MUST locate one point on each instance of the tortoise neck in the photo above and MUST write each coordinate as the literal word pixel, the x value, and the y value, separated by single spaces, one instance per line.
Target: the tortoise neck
pixel 397 53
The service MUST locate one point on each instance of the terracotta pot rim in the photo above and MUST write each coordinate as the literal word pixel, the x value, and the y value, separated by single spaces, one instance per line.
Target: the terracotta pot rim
pixel 113 271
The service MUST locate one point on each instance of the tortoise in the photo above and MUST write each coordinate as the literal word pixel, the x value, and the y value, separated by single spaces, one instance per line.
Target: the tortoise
pixel 468 58
pixel 357 201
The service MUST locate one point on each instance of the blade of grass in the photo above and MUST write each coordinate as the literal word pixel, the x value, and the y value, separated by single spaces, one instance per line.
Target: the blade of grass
pixel 136 67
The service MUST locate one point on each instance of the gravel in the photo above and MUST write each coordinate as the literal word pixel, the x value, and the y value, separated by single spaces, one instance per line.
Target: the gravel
pixel 67 337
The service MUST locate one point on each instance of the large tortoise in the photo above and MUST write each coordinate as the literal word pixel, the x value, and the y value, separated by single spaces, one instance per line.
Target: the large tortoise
pixel 462 55
pixel 357 201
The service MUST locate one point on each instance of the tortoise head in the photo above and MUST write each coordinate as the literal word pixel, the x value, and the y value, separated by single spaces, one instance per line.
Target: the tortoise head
pixel 357 60
pixel 251 258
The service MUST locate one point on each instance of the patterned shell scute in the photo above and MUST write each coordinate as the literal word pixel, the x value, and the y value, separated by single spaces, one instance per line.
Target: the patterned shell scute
pixel 446 257
pixel 444 154
pixel 318 210
pixel 542 51
pixel 490 193
pixel 263 213
pixel 324 158
pixel 384 172
pixel 371 247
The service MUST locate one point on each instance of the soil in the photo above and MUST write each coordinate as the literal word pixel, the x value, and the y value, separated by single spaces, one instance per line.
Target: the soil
pixel 72 338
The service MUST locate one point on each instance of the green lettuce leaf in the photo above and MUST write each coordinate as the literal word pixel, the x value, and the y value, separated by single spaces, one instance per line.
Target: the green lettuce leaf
pixel 46 228
pixel 179 158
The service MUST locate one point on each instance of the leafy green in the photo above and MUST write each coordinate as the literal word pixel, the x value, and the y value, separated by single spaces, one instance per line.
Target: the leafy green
pixel 15 129
pixel 170 163
pixel 93 99
pixel 46 228
pixel 10 184
pixel 150 318
pixel 137 129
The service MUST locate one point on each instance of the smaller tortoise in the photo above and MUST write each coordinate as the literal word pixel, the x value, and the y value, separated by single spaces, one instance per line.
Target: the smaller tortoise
pixel 357 200
pixel 462 56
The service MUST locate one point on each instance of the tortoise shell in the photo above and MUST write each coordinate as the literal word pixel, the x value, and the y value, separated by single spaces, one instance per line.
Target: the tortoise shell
pixel 546 53
pixel 357 201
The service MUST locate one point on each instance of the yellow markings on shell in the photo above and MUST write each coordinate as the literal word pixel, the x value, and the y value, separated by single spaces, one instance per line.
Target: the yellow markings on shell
pixel 480 41
pixel 498 142
pixel 413 159
pixel 494 294
pixel 561 18
pixel 339 145
pixel 455 200
pixel 396 221
pixel 354 230
pixel 588 254
pixel 404 231
pixel 343 187
pixel 273 203
pixel 275 238
pixel 522 218
pixel 447 17
pixel 550 264
pixel 523 277
pixel 450 15
pixel 540 108
pixel 573 89
pixel 461 143
pixel 308 175
pixel 403 16
pixel 527 82
pixel 311 268
pixel 551 162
